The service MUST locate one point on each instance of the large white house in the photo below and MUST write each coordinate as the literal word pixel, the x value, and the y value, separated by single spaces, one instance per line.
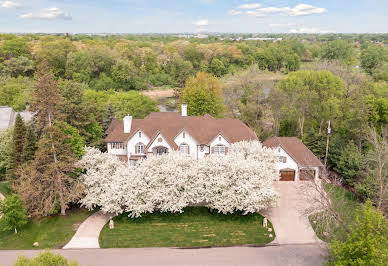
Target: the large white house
pixel 296 161
pixel 159 133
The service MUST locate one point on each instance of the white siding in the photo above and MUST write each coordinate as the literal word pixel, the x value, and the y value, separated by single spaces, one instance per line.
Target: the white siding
pixel 135 140
pixel 220 140
pixel 116 151
pixel 156 143
pixel 290 162
pixel 204 152
pixel 189 140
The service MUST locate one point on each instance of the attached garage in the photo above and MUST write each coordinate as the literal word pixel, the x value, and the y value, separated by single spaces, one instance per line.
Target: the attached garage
pixel 306 174
pixel 287 175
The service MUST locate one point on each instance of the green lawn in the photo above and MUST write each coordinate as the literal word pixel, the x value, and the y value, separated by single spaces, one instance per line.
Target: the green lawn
pixel 50 232
pixel 4 188
pixel 348 212
pixel 195 227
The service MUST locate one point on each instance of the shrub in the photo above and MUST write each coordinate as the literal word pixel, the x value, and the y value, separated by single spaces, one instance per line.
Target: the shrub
pixel 45 258
pixel 13 212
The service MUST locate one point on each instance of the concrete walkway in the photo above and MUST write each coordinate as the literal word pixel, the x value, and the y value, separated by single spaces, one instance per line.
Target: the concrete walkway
pixel 290 223
pixel 2 197
pixel 290 255
pixel 89 231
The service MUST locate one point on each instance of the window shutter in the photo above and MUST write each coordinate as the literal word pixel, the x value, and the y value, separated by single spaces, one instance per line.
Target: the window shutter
pixel 188 149
pixel 212 150
pixel 284 159
pixel 226 150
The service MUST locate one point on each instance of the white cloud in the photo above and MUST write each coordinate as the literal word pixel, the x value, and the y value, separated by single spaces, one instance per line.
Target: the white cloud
pixel 47 13
pixel 9 4
pixel 299 10
pixel 202 23
pixel 309 30
pixel 235 12
pixel 249 6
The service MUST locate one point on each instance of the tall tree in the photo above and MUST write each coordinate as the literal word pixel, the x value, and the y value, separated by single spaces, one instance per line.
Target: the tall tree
pixel 48 181
pixel 29 147
pixel 108 116
pixel 203 95
pixel 18 143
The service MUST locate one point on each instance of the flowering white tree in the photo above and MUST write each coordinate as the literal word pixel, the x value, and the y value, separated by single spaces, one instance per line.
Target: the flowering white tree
pixel 242 180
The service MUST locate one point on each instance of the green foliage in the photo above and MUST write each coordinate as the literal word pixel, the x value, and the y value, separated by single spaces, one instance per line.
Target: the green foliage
pixel 6 148
pixel 13 214
pixel 372 57
pixel 350 163
pixel 29 146
pixel 278 58
pixel 74 138
pixel 14 48
pixel 203 95
pixel 133 103
pixel 18 142
pixel 15 92
pixel 46 258
pixel 108 117
pixel 17 66
pixel 338 50
pixel 367 242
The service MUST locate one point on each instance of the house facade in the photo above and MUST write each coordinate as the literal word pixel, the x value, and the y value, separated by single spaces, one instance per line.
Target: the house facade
pixel 159 133
pixel 296 162
pixel 8 116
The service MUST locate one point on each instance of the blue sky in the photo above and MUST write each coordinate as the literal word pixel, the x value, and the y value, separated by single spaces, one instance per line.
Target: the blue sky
pixel 171 16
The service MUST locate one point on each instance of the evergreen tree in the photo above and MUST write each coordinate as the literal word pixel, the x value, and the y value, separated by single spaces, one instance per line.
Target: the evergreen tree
pixel 48 181
pixel 18 143
pixel 109 115
pixel 29 147
pixel 13 212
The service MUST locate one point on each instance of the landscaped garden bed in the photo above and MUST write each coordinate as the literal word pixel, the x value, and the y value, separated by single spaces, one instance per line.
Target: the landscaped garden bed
pixel 196 226
pixel 49 232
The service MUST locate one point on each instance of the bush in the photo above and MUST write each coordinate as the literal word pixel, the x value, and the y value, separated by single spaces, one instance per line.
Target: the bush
pixel 13 212
pixel 350 163
pixel 45 259
pixel 367 242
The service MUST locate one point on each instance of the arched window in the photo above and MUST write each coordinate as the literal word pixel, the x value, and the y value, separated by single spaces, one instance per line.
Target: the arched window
pixel 219 149
pixel 184 148
pixel 139 148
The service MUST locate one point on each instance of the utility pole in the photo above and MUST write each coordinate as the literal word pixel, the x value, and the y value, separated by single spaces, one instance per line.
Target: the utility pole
pixel 327 142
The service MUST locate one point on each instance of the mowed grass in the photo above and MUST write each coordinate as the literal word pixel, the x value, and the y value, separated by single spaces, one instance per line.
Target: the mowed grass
pixel 50 232
pixel 346 203
pixel 195 227
pixel 4 188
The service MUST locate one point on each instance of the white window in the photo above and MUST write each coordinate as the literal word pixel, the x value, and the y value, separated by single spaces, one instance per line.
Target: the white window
pixel 139 148
pixel 219 149
pixel 184 148
pixel 282 159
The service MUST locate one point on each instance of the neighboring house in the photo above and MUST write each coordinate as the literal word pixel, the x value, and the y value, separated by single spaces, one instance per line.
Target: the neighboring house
pixel 296 161
pixel 8 116
pixel 159 133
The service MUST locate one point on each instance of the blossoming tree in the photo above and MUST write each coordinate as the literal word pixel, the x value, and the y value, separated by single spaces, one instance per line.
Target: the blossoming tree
pixel 242 180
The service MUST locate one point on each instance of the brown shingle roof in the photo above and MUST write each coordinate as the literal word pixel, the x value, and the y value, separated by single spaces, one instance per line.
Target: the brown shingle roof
pixel 202 128
pixel 296 149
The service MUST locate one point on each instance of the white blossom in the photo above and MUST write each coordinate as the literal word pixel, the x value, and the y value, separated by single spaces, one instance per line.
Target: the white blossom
pixel 241 180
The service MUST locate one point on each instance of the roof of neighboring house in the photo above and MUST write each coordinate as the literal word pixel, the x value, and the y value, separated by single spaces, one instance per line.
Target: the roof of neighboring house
pixel 8 116
pixel 296 149
pixel 169 124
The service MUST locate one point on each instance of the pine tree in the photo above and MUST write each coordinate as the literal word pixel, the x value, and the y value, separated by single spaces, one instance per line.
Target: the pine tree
pixel 29 147
pixel 48 181
pixel 109 115
pixel 18 143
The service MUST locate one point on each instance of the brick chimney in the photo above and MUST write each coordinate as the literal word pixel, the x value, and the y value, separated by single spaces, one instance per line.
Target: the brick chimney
pixel 184 109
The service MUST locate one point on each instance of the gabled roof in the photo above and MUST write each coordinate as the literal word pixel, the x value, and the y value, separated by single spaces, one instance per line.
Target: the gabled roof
pixel 202 128
pixel 296 149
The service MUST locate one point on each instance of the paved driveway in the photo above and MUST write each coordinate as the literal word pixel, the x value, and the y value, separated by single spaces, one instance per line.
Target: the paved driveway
pixel 298 255
pixel 290 223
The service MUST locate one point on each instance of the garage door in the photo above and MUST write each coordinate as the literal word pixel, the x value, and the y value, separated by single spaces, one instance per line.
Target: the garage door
pixel 287 175
pixel 307 175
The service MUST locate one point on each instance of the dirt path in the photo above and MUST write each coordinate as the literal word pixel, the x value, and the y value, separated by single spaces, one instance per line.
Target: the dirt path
pixel 159 93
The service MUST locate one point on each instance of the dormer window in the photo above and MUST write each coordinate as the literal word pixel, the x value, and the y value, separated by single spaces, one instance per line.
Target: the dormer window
pixel 139 148
pixel 139 134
